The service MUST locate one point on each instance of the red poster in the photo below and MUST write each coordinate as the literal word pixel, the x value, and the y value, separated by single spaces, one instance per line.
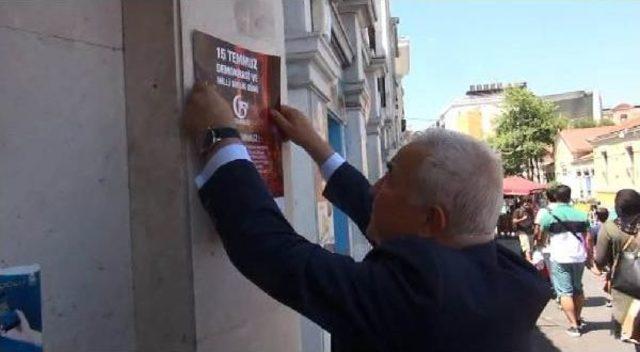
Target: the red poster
pixel 250 82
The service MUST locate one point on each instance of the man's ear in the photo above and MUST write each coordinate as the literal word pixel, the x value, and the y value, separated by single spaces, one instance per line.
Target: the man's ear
pixel 436 220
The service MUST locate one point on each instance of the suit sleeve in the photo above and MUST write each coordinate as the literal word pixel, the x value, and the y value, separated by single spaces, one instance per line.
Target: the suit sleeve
pixel 350 191
pixel 330 289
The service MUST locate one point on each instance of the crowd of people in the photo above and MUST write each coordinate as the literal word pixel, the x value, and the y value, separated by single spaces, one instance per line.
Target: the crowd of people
pixel 561 241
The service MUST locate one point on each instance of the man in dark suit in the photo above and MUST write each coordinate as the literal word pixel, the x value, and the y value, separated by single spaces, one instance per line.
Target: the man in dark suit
pixel 434 281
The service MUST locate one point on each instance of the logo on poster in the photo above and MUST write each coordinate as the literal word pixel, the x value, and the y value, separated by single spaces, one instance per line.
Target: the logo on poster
pixel 240 107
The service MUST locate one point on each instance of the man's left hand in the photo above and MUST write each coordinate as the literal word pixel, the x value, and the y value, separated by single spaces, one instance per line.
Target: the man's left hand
pixel 206 108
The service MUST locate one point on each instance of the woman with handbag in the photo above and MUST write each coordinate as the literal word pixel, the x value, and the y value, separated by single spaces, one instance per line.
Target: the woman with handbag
pixel 617 249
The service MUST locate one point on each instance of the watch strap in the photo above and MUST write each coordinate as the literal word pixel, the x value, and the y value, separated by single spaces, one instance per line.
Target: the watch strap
pixel 225 132
pixel 214 135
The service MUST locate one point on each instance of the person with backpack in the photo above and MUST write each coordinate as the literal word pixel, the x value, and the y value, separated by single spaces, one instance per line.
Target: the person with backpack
pixel 617 236
pixel 567 227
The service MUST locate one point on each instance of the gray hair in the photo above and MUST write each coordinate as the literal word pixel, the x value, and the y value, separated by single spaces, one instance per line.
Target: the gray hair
pixel 462 175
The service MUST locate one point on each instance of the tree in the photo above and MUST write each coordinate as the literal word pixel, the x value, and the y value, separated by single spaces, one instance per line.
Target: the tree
pixel 525 131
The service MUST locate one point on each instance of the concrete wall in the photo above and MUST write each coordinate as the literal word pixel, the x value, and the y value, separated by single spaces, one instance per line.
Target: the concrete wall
pixel 159 185
pixel 64 193
pixel 575 107
pixel 97 183
pixel 231 313
pixel 476 120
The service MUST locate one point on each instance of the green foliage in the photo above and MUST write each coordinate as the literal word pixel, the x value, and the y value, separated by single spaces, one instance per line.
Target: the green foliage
pixel 582 123
pixel 588 123
pixel 606 122
pixel 525 130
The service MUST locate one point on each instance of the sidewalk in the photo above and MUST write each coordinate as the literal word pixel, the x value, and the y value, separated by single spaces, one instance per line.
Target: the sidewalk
pixel 552 324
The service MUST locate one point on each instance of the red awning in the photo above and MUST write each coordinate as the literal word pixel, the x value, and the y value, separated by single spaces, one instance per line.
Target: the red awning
pixel 519 186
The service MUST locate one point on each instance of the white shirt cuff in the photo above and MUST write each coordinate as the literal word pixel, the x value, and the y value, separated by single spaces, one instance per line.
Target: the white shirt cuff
pixel 331 165
pixel 223 156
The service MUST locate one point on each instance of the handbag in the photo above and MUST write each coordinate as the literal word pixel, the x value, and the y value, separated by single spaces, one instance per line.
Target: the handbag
pixel 626 271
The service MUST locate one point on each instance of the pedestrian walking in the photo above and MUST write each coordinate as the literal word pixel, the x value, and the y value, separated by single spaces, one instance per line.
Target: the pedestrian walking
pixel 615 237
pixel 567 227
pixel 523 224
pixel 541 238
pixel 601 216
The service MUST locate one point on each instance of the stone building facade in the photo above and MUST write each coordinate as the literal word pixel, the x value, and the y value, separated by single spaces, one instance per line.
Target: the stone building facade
pixel 96 180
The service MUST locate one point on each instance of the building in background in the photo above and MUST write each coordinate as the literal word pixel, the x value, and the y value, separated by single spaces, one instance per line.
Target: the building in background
pixel 96 180
pixel 615 162
pixel 597 162
pixel 403 65
pixel 475 113
pixel 574 160
pixel 585 105
pixel 621 113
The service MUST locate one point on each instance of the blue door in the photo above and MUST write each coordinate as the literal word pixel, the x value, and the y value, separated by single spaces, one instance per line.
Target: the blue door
pixel 340 222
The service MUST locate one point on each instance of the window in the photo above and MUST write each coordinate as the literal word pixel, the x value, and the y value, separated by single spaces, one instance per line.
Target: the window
pixel 606 167
pixel 312 15
pixel 382 90
pixel 371 30
pixel 340 222
pixel 623 117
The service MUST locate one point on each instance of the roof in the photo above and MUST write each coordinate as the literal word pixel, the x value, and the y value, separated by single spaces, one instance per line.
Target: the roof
pixel 615 129
pixel 577 139
pixel 474 100
pixel 623 106
pixel 567 95
pixel 584 158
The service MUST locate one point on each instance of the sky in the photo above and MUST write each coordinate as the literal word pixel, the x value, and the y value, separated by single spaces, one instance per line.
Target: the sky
pixel 554 46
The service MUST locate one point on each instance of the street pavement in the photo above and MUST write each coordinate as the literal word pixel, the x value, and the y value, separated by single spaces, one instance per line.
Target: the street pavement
pixel 550 335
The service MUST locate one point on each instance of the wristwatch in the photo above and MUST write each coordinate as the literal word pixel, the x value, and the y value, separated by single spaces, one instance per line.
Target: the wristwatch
pixel 214 135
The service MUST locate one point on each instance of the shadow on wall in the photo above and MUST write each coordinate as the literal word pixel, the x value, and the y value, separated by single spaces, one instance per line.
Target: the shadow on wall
pixel 540 342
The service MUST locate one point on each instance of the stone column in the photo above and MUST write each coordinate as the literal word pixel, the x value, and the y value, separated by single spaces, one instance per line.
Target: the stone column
pixel 158 184
pixel 374 155
pixel 312 71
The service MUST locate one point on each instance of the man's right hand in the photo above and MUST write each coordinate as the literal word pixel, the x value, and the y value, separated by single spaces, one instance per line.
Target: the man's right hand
pixel 298 128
